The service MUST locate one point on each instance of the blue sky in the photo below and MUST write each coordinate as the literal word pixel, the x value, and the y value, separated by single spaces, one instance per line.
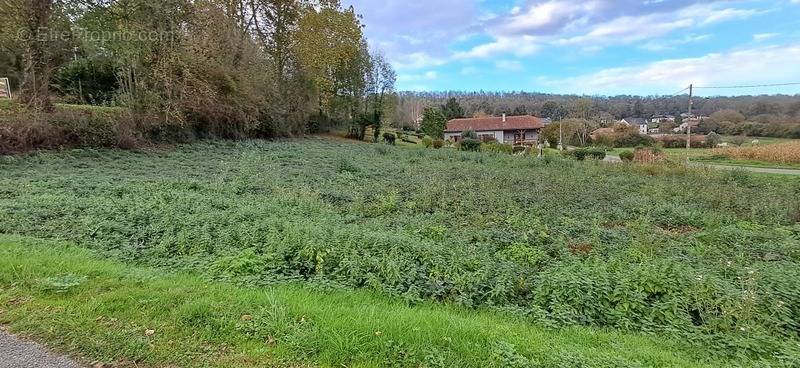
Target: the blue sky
pixel 595 47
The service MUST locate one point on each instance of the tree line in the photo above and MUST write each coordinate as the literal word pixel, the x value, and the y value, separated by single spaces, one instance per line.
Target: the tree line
pixel 777 115
pixel 225 68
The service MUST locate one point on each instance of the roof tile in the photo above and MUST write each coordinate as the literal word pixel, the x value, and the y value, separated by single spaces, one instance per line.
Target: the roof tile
pixel 494 124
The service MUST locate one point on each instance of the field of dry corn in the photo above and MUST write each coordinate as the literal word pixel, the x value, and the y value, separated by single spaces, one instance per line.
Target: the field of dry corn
pixel 783 153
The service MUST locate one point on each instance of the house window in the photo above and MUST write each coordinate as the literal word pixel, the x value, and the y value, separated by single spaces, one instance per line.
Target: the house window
pixel 487 138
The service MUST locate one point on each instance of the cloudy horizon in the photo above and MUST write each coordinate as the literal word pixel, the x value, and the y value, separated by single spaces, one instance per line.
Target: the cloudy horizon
pixel 597 47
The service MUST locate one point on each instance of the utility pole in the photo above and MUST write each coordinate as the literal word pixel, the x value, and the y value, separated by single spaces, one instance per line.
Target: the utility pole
pixel 689 124
pixel 560 136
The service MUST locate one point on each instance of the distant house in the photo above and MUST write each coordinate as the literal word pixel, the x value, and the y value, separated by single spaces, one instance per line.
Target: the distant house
pixel 640 123
pixel 661 119
pixel 689 120
pixel 519 130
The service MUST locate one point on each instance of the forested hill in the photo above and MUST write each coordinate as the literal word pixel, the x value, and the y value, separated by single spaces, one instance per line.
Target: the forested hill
pixel 764 108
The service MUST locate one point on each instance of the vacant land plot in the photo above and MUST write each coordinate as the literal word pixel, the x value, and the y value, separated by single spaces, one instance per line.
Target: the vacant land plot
pixel 707 257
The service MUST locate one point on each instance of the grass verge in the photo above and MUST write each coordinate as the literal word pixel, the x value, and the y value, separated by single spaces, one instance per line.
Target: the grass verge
pixel 130 316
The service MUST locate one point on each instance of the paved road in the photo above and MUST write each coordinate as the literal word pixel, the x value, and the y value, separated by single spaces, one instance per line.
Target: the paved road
pixel 763 170
pixel 16 353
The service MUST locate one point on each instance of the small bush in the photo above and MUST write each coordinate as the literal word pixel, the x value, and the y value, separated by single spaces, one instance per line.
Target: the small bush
pixel 469 144
pixel 438 143
pixel 593 153
pixel 497 148
pixel 427 142
pixel 469 134
pixel 389 138
pixel 627 156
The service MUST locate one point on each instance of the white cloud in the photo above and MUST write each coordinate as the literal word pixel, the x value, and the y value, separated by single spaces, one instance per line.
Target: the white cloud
pixel 418 60
pixel 503 46
pixel 595 24
pixel 765 36
pixel 629 29
pixel 510 65
pixel 722 15
pixel 771 64
pixel 662 45
pixel 427 76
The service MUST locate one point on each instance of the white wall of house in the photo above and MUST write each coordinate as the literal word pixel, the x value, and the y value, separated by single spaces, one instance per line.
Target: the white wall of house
pixel 451 136
pixel 498 135
pixel 530 136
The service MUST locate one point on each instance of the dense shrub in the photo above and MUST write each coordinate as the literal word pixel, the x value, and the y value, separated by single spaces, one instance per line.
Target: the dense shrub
pixel 582 154
pixel 438 143
pixel 469 144
pixel 389 138
pixel 469 134
pixel 427 142
pixel 497 148
pixel 68 126
pixel 627 156
pixel 679 141
pixel 632 139
pixel 622 136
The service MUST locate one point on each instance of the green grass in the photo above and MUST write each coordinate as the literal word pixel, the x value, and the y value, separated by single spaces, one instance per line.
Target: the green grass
pixel 709 257
pixel 101 310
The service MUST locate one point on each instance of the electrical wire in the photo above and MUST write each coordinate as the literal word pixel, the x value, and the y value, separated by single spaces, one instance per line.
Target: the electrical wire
pixel 751 86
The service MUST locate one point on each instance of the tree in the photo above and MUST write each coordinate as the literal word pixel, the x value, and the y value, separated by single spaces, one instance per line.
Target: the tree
pixel 583 129
pixel 380 82
pixel 331 50
pixel 44 42
pixel 731 116
pixel 433 122
pixel 453 110
pixel 582 109
pixel 713 139
pixel 553 110
pixel 738 140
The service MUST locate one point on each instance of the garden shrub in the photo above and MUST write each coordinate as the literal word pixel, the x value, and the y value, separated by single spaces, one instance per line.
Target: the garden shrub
pixel 627 156
pixel 582 154
pixel 389 138
pixel 427 142
pixel 497 148
pixel 470 144
pixel 438 143
pixel 469 134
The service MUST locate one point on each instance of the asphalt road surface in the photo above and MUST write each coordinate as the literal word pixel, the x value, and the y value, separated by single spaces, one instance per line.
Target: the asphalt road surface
pixel 17 353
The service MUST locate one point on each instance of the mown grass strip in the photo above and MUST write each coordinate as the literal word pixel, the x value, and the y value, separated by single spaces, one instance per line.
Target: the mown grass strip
pixel 113 313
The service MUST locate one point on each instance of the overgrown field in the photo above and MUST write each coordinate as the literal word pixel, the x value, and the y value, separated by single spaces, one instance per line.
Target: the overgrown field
pixel 123 316
pixel 708 257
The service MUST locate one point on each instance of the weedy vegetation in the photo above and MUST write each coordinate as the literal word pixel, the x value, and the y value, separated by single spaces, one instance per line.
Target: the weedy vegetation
pixel 709 258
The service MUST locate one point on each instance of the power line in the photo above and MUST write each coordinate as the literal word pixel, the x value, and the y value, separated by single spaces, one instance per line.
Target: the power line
pixel 751 86
pixel 680 92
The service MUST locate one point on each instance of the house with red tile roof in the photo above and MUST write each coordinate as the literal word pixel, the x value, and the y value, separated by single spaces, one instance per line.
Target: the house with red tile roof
pixel 518 130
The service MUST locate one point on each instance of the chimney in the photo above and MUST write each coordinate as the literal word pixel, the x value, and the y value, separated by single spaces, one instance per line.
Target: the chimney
pixel 504 118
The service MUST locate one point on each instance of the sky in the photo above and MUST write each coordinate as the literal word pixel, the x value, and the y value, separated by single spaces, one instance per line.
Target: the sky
pixel 592 47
